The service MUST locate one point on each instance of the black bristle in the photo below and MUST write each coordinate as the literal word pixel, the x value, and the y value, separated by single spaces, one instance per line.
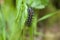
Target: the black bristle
pixel 30 16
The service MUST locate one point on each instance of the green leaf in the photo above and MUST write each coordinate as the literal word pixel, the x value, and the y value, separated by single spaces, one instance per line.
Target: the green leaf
pixel 19 23
pixel 38 4
pixel 46 16
pixel 2 26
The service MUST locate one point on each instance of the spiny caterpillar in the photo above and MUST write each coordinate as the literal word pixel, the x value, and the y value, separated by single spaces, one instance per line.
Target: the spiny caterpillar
pixel 30 16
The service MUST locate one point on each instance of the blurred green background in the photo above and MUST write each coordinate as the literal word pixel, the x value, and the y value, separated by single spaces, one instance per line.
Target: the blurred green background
pixel 44 25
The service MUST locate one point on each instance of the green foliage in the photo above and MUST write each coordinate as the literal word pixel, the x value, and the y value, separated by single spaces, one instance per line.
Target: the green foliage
pixel 12 20
pixel 2 26
pixel 46 16
pixel 37 4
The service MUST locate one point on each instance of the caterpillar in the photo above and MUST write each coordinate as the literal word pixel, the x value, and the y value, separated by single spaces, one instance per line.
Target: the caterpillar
pixel 30 16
